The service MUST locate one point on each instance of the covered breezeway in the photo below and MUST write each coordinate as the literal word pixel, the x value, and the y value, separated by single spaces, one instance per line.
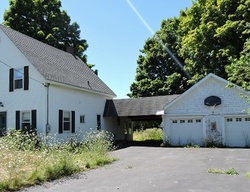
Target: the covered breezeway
pixel 121 114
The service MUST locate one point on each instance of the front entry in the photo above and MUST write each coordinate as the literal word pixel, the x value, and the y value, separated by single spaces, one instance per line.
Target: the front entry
pixel 2 123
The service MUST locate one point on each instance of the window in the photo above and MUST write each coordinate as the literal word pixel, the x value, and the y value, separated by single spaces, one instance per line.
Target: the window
pixel 247 119
pixel 182 121
pixel 190 120
pixel 25 119
pixel 82 118
pixel 174 121
pixel 229 119
pixel 238 119
pixel 66 121
pixel 98 121
pixel 18 78
pixel 198 120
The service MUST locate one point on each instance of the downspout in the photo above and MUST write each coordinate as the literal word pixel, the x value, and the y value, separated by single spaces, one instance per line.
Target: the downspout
pixel 47 109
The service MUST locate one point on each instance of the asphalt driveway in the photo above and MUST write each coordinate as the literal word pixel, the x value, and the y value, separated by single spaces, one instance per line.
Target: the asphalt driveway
pixel 153 169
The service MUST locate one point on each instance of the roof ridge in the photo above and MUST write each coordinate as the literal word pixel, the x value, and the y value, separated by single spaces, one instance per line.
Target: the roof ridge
pixel 56 65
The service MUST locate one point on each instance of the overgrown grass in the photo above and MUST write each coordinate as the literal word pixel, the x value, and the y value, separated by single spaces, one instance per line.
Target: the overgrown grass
pixel 231 171
pixel 148 134
pixel 27 159
pixel 248 175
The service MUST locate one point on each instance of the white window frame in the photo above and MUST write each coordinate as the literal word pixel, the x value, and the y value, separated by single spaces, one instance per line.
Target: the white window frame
pixel 198 121
pixel 27 121
pixel 174 121
pixel 190 120
pixel 18 76
pixel 82 119
pixel 182 121
pixel 238 119
pixel 66 121
pixel 247 118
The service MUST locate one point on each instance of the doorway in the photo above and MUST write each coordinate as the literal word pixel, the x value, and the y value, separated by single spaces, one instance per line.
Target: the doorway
pixel 2 123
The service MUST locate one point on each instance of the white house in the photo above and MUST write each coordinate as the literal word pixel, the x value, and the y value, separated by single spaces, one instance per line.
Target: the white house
pixel 208 112
pixel 48 89
pixel 56 93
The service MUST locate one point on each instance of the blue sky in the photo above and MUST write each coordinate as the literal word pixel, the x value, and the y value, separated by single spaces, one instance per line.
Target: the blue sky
pixel 115 33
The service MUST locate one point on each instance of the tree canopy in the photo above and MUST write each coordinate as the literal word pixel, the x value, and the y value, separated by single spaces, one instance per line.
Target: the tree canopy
pixel 210 37
pixel 45 21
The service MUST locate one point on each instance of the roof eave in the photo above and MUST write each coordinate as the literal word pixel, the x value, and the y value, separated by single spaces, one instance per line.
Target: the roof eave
pixel 80 88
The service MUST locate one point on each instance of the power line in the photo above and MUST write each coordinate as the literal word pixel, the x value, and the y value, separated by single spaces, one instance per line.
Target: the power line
pixel 22 73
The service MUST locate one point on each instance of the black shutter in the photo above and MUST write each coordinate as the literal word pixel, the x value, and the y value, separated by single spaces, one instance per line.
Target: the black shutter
pixel 73 121
pixel 26 78
pixel 33 119
pixel 17 120
pixel 11 80
pixel 60 124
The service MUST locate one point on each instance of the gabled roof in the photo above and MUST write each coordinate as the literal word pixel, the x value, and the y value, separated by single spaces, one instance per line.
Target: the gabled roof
pixel 56 65
pixel 209 76
pixel 143 106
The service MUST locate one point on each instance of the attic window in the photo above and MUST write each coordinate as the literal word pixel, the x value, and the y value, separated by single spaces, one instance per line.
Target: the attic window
pixel 212 101
pixel 19 78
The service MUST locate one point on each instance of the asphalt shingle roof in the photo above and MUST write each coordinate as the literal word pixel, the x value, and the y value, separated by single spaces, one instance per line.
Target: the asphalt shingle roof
pixel 57 65
pixel 143 106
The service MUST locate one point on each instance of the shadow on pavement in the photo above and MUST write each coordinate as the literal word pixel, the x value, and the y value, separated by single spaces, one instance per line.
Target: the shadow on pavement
pixel 148 143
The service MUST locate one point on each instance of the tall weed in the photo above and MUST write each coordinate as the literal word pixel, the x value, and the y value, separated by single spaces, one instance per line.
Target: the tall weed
pixel 30 158
pixel 148 134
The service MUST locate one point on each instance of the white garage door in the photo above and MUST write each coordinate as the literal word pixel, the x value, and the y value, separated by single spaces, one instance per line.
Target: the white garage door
pixel 186 131
pixel 237 131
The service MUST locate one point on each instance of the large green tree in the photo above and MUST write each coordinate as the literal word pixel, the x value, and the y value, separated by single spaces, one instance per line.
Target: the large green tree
pixel 213 32
pixel 157 72
pixel 45 21
pixel 239 69
pixel 206 38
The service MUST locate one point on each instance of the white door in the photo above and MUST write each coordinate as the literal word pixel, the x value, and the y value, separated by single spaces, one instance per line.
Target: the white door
pixel 237 131
pixel 186 131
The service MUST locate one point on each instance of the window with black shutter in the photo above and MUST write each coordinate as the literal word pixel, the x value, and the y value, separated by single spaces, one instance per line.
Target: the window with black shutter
pixel 66 121
pixel 19 78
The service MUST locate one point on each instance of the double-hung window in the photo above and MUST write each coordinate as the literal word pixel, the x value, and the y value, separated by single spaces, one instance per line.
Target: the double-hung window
pixel 66 121
pixel 18 78
pixel 25 119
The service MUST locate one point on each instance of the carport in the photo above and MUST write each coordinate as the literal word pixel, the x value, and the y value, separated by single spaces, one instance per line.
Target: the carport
pixel 123 112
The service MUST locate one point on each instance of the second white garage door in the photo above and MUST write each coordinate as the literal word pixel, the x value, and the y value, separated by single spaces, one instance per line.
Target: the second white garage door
pixel 237 131
pixel 186 131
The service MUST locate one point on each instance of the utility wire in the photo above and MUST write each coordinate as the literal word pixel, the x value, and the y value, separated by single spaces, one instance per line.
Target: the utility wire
pixel 22 73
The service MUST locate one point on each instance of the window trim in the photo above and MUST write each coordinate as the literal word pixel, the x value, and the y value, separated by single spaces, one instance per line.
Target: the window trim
pixel 61 121
pixel 22 120
pixel 18 72
pixel 82 117
pixel 69 121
